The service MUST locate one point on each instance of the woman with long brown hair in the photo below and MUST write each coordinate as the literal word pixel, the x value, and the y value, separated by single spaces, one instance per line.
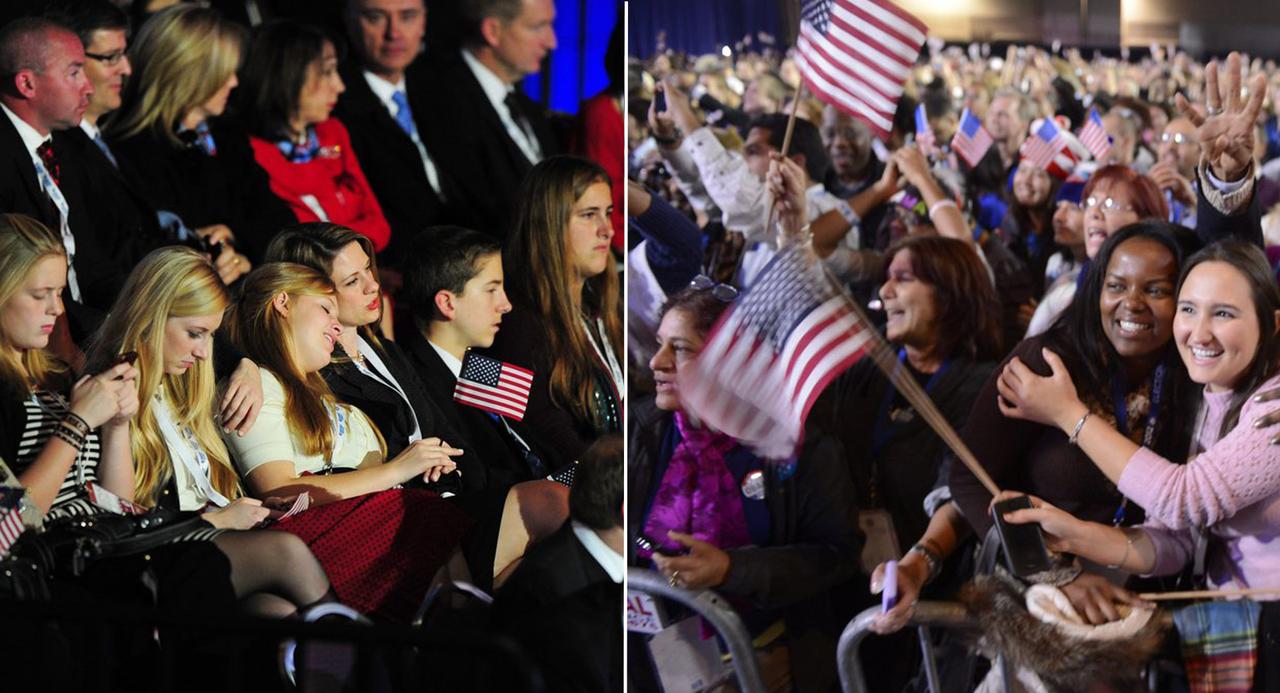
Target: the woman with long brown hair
pixel 566 324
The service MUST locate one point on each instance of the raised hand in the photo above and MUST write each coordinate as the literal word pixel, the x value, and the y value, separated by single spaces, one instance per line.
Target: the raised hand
pixel 1226 128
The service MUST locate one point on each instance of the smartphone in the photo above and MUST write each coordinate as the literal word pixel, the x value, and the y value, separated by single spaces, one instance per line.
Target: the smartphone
pixel 660 101
pixel 1024 549
pixel 129 357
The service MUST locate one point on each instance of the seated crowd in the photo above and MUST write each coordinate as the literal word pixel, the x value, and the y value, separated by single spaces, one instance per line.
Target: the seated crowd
pixel 258 278
pixel 1100 330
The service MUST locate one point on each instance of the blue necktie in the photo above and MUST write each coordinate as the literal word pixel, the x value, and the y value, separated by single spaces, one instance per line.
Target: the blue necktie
pixel 102 144
pixel 404 116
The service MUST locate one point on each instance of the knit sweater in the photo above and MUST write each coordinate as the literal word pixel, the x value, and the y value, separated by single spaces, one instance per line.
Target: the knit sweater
pixel 1232 487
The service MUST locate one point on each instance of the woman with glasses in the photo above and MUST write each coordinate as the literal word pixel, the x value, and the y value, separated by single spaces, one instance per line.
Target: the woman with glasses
pixel 1115 197
pixel 566 322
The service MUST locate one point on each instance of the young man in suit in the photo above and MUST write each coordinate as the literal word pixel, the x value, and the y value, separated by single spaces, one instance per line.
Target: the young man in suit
pixel 563 604
pixel 484 130
pixel 43 88
pixel 453 287
pixel 383 109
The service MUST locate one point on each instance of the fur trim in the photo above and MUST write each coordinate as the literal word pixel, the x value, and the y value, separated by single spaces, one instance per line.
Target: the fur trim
pixel 1064 663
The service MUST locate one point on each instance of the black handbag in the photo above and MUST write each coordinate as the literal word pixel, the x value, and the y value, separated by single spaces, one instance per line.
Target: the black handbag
pixel 68 545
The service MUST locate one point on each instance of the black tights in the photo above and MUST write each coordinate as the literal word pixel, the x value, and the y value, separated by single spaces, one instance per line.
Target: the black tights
pixel 273 573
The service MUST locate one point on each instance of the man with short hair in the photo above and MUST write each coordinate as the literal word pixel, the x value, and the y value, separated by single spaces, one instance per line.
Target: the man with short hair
pixel 489 134
pixel 384 110
pixel 43 88
pixel 453 287
pixel 103 29
pixel 1008 118
pixel 1177 154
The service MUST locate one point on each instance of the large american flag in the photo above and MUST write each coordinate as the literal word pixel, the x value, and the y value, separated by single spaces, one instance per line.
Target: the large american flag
pixel 856 55
pixel 1094 136
pixel 493 386
pixel 11 526
pixel 972 139
pixel 773 352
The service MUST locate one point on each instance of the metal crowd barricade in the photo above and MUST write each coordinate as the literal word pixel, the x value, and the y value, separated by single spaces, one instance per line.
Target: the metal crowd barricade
pixel 715 611
pixel 928 614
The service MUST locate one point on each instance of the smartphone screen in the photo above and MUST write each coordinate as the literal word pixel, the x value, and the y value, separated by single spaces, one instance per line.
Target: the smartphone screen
pixel 1024 549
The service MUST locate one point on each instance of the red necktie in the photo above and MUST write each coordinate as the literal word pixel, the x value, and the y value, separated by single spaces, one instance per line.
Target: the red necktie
pixel 49 160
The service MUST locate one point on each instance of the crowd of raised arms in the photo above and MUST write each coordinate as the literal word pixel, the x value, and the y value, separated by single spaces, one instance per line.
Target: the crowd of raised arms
pixel 1099 325
pixel 247 270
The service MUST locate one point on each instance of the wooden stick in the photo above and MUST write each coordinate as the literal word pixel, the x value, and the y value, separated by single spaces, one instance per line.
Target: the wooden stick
pixel 1209 594
pixel 786 147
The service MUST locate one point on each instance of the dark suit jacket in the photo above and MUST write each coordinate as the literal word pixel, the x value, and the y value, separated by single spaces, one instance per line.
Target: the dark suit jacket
pixel 390 160
pixel 466 135
pixel 392 416
pixel 503 458
pixel 563 608
pixel 112 195
pixel 98 273
pixel 229 188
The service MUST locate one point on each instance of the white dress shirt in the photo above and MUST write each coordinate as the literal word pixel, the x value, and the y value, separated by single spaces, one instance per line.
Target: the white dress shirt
pixel 496 90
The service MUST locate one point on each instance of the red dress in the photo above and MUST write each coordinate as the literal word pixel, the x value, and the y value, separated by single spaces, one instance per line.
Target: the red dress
pixel 381 550
pixel 333 180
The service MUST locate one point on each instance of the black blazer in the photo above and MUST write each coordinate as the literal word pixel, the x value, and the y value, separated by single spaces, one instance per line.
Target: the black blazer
pixel 468 139
pixel 503 457
pixel 390 160
pixel 393 418
pixel 230 188
pixel 98 273
pixel 564 610
pixel 111 194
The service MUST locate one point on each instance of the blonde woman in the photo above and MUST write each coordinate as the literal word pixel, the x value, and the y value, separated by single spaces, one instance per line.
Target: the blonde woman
pixel 380 543
pixel 67 439
pixel 167 313
pixel 566 324
pixel 197 172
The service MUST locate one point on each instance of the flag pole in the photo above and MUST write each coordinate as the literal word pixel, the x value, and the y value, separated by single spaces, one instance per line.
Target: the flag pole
pixel 786 146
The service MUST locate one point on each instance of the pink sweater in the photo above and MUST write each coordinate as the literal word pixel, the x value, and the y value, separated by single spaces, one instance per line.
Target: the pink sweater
pixel 1232 487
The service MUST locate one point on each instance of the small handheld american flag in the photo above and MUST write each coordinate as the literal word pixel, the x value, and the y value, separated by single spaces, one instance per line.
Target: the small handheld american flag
pixel 972 141
pixel 11 526
pixel 773 352
pixel 1094 136
pixel 857 54
pixel 925 140
pixel 494 386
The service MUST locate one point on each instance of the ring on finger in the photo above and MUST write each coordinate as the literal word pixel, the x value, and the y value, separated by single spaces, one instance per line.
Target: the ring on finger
pixel 1213 110
pixel 674 580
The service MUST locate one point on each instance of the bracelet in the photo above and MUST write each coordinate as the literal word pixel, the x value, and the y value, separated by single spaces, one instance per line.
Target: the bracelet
pixel 69 438
pixel 1128 546
pixel 940 204
pixel 665 141
pixel 76 423
pixel 847 212
pixel 931 557
pixel 1074 438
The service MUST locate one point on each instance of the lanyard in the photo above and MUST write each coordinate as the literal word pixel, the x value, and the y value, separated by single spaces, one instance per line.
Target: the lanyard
pixel 64 227
pixel 607 358
pixel 184 447
pixel 384 374
pixel 885 426
pixel 338 419
pixel 1122 422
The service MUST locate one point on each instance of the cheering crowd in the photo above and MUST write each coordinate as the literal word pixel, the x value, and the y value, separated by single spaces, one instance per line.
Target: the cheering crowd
pixel 301 321
pixel 1071 257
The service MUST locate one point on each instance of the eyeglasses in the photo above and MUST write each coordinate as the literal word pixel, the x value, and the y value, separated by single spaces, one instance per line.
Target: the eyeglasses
pixel 1109 205
pixel 1177 138
pixel 719 291
pixel 109 60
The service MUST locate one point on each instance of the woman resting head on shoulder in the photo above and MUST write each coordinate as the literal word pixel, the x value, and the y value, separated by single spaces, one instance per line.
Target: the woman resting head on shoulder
pixel 167 313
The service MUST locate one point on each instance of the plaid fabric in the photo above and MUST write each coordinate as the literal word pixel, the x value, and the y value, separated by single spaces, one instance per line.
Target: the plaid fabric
pixel 1219 645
